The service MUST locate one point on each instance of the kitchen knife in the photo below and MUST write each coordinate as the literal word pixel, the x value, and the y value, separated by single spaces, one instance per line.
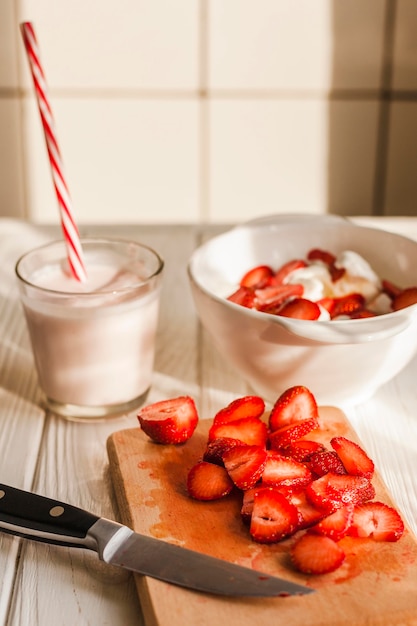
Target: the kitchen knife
pixel 35 517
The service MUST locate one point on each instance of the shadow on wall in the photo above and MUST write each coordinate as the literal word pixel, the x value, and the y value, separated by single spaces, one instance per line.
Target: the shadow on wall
pixel 358 116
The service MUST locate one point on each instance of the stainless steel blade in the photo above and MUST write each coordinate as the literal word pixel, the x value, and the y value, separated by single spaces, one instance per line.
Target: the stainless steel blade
pixel 186 568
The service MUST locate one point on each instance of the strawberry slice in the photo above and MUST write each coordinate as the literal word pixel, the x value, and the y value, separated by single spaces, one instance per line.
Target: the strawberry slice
pixel 257 277
pixel 308 514
pixel 206 481
pixel 243 296
pixel 302 449
pixel 247 504
pixel 324 461
pixel 316 554
pixel 354 458
pixel 348 305
pixel 317 254
pixel 390 289
pixel 247 406
pixel 245 465
pixel 216 448
pixel 331 491
pixel 283 437
pixel 282 274
pixel 335 525
pixel 249 430
pixel 405 298
pixel 293 405
pixel 301 309
pixel 376 520
pixel 170 421
pixel 283 471
pixel 270 299
pixel 273 517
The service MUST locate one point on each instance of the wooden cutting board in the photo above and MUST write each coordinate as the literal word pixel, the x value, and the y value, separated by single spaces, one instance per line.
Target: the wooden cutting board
pixel 376 586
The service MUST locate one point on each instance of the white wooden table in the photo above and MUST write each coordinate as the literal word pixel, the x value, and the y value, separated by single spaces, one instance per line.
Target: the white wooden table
pixel 49 586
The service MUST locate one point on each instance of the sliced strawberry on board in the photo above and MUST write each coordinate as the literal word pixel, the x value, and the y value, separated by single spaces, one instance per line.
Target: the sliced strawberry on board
pixel 331 491
pixel 245 465
pixel 249 430
pixel 293 405
pixel 243 296
pixel 247 504
pixel 337 524
pixel 285 270
pixel 301 309
pixel 273 517
pixel 216 448
pixel 308 514
pixel 405 298
pixel 354 458
pixel 283 471
pixel 283 437
pixel 302 449
pixel 258 276
pixel 376 520
pixel 324 461
pixel 170 421
pixel 206 481
pixel 316 554
pixel 247 406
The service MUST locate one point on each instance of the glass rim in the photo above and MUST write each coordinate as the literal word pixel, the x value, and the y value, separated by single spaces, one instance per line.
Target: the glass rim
pixel 60 243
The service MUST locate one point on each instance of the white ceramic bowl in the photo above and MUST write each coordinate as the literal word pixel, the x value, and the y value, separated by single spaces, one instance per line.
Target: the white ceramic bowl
pixel 342 362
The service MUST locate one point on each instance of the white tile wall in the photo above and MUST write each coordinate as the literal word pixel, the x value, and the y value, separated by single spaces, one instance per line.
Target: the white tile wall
pixel 213 110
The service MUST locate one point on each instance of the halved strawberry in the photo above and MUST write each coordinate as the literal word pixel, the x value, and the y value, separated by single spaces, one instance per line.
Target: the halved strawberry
pixel 308 514
pixel 207 481
pixel 273 516
pixel 316 554
pixel 293 405
pixel 405 298
pixel 245 465
pixel 170 421
pixel 325 461
pixel 376 520
pixel 249 430
pixel 301 309
pixel 286 269
pixel 331 491
pixel 283 471
pixel 283 437
pixel 258 276
pixel 302 449
pixel 335 525
pixel 216 448
pixel 247 406
pixel 243 296
pixel 353 457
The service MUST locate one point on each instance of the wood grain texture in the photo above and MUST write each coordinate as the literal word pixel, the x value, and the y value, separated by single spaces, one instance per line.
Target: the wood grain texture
pixel 375 586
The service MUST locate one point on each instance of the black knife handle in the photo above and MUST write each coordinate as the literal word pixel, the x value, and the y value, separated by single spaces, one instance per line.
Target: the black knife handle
pixel 35 517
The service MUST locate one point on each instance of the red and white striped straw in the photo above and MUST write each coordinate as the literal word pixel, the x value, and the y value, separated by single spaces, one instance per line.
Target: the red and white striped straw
pixel 69 226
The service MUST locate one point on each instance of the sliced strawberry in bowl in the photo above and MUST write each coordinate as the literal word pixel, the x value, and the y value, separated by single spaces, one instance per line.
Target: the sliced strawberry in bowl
pixel 247 406
pixel 270 299
pixel 245 465
pixel 405 298
pixel 376 520
pixel 316 554
pixel 207 481
pixel 354 458
pixel 293 405
pixel 257 277
pixel 285 270
pixel 273 516
pixel 301 309
pixel 243 296
pixel 171 421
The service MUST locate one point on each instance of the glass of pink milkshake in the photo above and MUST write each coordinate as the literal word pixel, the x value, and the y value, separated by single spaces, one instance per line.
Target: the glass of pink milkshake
pixel 93 342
